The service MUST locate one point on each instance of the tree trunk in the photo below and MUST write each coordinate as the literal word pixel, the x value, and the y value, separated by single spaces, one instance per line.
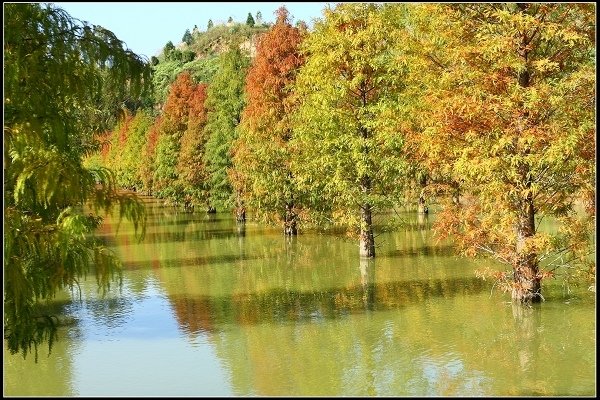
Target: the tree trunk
pixel 422 206
pixel 422 209
pixel 290 218
pixel 367 281
pixel 289 222
pixel 367 241
pixel 240 209
pixel 240 214
pixel 527 286
pixel 455 194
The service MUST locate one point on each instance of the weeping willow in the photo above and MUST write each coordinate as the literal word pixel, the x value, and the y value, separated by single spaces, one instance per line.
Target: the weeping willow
pixel 63 80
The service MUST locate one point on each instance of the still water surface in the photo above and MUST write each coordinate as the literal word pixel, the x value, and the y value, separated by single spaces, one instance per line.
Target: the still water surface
pixel 208 309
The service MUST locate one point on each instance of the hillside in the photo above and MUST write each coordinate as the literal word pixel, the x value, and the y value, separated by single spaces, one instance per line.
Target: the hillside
pixel 201 54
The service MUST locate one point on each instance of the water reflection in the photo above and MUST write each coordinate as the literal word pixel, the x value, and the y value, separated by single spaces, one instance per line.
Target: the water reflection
pixel 203 313
pixel 55 371
pixel 367 281
pixel 54 367
pixel 237 309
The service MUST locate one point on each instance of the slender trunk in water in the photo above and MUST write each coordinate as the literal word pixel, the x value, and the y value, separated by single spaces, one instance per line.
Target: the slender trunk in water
pixel 367 240
pixel 290 220
pixel 367 280
pixel 422 207
pixel 240 209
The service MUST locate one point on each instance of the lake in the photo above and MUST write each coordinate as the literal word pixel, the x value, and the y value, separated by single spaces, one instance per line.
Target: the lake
pixel 207 308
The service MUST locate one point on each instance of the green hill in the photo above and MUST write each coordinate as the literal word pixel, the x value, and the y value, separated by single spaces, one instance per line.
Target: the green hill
pixel 200 55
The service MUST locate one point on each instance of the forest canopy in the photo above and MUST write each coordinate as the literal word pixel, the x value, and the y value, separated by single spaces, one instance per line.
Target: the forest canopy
pixel 483 114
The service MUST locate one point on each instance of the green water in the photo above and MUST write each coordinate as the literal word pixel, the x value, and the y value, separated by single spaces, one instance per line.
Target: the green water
pixel 206 309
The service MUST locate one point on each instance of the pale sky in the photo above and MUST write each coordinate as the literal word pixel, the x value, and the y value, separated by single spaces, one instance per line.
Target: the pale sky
pixel 147 27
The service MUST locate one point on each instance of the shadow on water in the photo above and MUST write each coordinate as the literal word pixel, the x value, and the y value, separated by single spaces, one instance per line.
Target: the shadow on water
pixel 423 250
pixel 156 218
pixel 205 313
pixel 195 234
pixel 189 262
pixel 177 236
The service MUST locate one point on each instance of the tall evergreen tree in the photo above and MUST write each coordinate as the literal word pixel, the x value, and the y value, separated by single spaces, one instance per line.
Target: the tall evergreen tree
pixel 225 102
pixel 187 37
pixel 169 47
pixel 250 20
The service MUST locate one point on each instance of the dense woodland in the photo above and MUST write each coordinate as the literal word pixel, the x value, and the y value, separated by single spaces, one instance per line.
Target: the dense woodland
pixel 484 113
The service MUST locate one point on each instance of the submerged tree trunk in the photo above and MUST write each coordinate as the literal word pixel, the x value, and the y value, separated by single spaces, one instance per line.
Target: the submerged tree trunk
pixel 367 240
pixel 422 206
pixel 290 220
pixel 367 280
pixel 240 209
pixel 527 287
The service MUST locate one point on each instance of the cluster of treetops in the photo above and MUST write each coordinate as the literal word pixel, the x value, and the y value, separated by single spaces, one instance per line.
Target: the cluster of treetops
pixel 488 110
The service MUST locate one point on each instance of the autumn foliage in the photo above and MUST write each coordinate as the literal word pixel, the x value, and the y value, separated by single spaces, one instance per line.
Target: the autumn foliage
pixel 350 91
pixel 180 135
pixel 191 167
pixel 509 116
pixel 488 110
pixel 261 153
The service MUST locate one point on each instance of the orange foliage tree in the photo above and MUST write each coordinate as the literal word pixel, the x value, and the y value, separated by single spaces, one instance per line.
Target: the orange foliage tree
pixel 191 168
pixel 148 157
pixel 261 152
pixel 508 112
pixel 175 120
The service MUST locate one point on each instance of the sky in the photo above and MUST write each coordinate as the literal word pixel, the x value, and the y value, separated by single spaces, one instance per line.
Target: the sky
pixel 146 27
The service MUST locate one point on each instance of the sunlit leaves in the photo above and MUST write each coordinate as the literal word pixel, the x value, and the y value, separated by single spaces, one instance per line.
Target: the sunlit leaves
pixel 63 82
pixel 224 102
pixel 191 168
pixel 183 116
pixel 261 153
pixel 351 84
pixel 508 116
